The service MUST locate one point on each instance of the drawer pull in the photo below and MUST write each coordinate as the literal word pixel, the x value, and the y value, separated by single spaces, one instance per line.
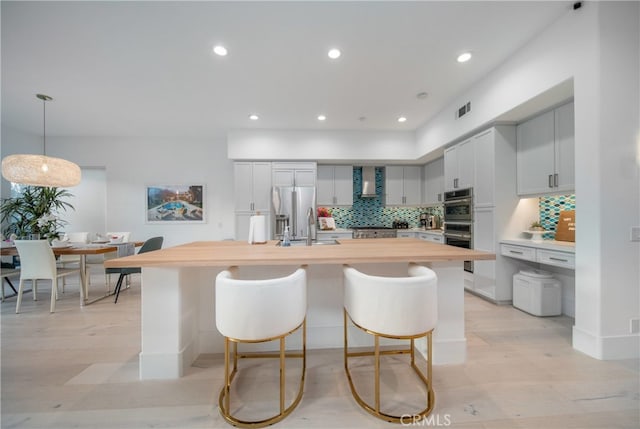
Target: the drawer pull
pixel 516 252
pixel 558 259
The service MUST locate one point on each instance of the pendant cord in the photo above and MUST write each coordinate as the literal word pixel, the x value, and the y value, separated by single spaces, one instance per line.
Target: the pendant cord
pixel 44 125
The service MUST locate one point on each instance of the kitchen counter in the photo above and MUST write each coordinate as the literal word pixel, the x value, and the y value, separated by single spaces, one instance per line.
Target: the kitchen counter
pixel 178 294
pixel 560 246
pixel 238 253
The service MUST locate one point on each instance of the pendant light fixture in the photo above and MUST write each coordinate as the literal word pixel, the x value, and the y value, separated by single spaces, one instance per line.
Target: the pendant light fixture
pixel 41 170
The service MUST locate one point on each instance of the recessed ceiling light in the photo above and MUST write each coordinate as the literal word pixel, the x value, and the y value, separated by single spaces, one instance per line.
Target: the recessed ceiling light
pixel 254 117
pixel 322 117
pixel 220 50
pixel 402 119
pixel 464 57
pixel 334 53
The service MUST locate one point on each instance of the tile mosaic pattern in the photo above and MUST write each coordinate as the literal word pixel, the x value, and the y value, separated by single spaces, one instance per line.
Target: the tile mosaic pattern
pixel 372 212
pixel 550 208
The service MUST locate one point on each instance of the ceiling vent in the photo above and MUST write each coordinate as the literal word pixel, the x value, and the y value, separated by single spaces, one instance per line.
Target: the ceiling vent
pixel 463 110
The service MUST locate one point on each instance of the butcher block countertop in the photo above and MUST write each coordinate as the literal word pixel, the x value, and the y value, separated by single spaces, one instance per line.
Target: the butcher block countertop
pixel 239 253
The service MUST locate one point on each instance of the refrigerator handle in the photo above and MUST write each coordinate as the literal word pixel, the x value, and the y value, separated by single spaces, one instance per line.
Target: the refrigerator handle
pixel 294 211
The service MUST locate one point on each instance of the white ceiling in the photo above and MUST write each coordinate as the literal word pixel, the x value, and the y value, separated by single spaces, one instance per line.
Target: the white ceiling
pixel 147 69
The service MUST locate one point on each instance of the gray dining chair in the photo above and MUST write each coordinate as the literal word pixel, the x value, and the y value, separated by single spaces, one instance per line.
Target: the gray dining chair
pixel 150 245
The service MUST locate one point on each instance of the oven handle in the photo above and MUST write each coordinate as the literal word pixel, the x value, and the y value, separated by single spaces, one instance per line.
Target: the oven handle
pixel 454 235
pixel 458 201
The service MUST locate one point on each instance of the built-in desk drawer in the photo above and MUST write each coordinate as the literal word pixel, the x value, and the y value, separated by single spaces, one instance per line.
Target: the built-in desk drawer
pixel 559 259
pixel 518 252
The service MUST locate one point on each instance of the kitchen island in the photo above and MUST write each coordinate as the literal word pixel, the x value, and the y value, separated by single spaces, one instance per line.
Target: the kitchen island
pixel 178 320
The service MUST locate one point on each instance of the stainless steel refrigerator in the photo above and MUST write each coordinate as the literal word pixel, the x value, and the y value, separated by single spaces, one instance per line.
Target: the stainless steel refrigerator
pixel 290 207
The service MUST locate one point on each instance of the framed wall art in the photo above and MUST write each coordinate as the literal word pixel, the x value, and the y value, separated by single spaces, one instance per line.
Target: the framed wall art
pixel 175 204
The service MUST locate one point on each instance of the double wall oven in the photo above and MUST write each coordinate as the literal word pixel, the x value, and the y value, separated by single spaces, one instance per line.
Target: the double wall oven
pixel 458 220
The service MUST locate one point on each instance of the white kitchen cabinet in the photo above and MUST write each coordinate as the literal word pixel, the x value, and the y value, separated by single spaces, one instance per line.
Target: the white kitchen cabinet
pixel 433 184
pixel 252 193
pixel 406 234
pixel 294 173
pixel 252 186
pixel 494 201
pixel 545 161
pixel 434 237
pixel 335 185
pixel 484 168
pixel 459 166
pixel 484 272
pixel 403 185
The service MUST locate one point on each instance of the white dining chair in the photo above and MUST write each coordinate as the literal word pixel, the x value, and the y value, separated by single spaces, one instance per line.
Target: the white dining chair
pixel 98 260
pixel 255 311
pixel 401 308
pixel 37 262
pixel 73 261
pixel 125 236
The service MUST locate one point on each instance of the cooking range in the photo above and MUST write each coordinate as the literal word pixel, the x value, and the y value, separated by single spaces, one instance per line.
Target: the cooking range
pixel 374 232
pixel 458 221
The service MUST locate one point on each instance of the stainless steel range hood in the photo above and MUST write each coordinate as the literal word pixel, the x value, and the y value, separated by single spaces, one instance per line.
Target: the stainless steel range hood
pixel 368 182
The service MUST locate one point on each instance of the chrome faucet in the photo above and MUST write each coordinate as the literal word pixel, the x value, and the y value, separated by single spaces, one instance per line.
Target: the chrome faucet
pixel 310 221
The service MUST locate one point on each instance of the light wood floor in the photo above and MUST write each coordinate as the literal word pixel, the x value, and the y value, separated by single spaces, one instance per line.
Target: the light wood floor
pixel 78 368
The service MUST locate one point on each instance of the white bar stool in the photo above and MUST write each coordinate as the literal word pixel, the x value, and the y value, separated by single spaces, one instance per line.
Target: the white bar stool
pixel 392 307
pixel 255 311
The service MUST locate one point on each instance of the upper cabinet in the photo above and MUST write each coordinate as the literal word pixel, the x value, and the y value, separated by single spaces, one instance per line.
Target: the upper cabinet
pixel 433 184
pixel 335 185
pixel 294 173
pixel 458 166
pixel 252 186
pixel 403 185
pixel 545 156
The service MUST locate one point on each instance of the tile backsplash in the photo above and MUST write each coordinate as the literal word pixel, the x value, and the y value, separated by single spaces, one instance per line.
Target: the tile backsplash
pixel 372 211
pixel 550 208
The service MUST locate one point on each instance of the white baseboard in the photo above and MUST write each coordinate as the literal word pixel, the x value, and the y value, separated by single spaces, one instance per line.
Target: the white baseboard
pixel 606 348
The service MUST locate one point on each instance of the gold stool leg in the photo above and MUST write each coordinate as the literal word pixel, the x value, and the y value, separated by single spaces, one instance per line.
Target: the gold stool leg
pixel 426 381
pixel 224 397
pixel 377 371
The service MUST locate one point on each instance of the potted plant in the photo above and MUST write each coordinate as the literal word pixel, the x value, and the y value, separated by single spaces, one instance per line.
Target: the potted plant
pixel 35 212
pixel 536 226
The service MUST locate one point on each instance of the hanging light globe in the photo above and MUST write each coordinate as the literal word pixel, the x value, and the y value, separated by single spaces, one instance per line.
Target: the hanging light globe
pixel 41 170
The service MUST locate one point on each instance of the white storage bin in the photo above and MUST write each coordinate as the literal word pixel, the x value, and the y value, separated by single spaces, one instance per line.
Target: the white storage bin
pixel 537 292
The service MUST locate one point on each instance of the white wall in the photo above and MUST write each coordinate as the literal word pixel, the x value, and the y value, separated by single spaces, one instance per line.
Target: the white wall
pixel 330 145
pixel 132 163
pixel 90 204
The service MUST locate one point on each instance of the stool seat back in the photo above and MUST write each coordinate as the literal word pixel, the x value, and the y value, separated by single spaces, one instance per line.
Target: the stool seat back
pixel 252 310
pixel 393 306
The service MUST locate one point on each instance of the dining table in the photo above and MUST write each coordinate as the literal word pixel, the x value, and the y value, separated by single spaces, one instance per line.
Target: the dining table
pixel 81 250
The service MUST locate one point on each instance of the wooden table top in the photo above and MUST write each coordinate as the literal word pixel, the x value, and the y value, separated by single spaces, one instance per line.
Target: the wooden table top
pixel 87 249
pixel 239 253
